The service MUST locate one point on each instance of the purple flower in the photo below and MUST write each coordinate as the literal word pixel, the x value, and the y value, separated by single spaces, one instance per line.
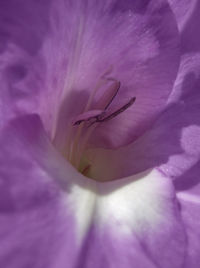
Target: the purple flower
pixel 100 134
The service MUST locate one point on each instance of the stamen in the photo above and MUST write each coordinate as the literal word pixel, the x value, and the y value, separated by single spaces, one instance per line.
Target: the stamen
pixel 109 95
pixel 97 119
pixel 87 121
pixel 101 82
pixel 119 111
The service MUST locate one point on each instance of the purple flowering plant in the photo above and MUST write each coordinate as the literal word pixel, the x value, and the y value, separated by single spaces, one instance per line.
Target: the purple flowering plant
pixel 99 134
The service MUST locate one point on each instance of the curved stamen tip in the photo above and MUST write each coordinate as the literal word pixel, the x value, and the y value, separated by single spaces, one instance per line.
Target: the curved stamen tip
pixel 98 116
pixel 118 111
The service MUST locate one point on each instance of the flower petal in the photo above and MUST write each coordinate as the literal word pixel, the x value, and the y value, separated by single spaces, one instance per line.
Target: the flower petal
pixel 36 226
pixel 39 56
pixel 45 203
pixel 190 210
pixel 183 10
pixel 23 28
pixel 190 42
pixel 130 221
pixel 134 42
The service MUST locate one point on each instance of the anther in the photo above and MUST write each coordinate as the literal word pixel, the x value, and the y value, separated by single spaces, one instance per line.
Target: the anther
pixel 117 112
